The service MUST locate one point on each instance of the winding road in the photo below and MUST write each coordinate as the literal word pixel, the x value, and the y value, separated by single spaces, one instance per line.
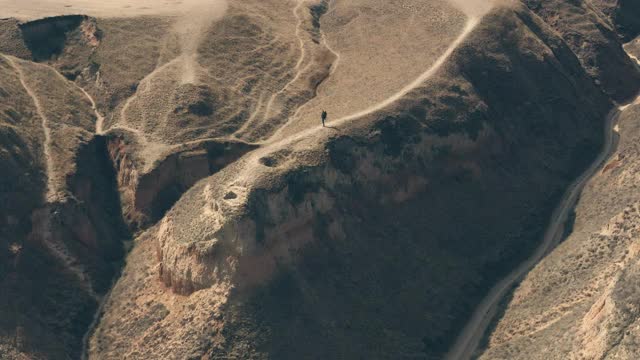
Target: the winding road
pixel 470 337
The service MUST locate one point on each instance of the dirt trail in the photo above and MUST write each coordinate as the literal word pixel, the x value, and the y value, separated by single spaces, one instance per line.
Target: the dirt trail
pixel 51 191
pixel 51 196
pixel 299 69
pixel 99 117
pixel 254 115
pixel 336 62
pixel 252 163
pixel 471 24
pixel 334 66
pixel 142 86
pixel 190 27
pixel 267 107
pixel 149 149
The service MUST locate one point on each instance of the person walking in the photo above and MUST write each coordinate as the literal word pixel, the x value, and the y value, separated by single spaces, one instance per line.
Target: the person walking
pixel 324 117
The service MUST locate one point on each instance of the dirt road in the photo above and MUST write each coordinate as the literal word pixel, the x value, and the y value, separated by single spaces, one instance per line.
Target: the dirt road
pixel 469 339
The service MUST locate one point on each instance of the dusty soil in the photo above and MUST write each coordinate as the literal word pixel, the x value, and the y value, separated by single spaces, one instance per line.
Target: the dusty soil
pixel 192 128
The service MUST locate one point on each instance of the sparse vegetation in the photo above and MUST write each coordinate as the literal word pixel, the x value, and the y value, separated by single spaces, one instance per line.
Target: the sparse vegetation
pixel 452 133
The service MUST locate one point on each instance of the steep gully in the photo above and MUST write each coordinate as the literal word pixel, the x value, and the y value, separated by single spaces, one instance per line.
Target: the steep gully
pixel 45 229
pixel 469 339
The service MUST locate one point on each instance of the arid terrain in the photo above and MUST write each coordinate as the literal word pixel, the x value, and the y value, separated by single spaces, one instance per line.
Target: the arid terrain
pixel 581 302
pixel 169 191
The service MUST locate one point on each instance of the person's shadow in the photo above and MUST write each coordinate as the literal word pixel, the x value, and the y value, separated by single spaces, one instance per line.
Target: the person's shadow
pixel 332 127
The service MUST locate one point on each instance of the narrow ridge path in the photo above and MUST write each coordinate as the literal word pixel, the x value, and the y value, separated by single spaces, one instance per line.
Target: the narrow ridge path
pixel 52 247
pixel 99 117
pixel 273 143
pixel 471 24
pixel 334 66
pixel 51 191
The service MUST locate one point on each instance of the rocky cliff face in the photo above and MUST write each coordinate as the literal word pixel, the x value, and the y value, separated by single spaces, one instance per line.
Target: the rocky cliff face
pixel 148 192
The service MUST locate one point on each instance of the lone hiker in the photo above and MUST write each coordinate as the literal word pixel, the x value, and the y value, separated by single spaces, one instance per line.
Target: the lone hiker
pixel 324 117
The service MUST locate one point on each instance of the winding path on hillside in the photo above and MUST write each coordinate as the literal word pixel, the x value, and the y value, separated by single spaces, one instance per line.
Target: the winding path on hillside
pixel 334 66
pixel 275 142
pixel 99 118
pixel 299 68
pixel 54 248
pixel 49 167
pixel 419 81
pixel 470 337
pixel 143 85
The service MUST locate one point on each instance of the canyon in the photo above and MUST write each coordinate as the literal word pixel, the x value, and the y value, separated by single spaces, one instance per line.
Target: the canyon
pixel 169 191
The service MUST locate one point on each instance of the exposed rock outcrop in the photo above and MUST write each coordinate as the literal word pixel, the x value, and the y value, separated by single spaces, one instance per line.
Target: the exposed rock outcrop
pixel 148 194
